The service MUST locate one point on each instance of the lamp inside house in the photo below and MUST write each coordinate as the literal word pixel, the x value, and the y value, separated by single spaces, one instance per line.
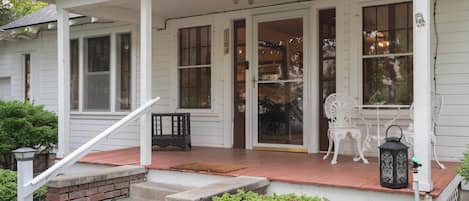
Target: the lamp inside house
pixel 394 162
pixel 24 154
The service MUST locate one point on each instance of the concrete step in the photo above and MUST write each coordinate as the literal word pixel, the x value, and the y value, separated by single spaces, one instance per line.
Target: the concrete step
pixel 134 199
pixel 149 191
pixel 256 184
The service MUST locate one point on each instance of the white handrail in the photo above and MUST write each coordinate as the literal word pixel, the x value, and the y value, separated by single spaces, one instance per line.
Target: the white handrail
pixel 76 155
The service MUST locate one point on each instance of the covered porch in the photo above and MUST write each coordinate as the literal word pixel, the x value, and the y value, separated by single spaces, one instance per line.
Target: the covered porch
pixel 282 167
pixel 288 168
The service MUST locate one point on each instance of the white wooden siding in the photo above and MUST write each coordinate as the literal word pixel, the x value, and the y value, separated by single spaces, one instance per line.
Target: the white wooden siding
pixel 452 77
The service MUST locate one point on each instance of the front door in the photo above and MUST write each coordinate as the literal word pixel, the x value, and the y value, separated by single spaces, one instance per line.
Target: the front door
pixel 278 81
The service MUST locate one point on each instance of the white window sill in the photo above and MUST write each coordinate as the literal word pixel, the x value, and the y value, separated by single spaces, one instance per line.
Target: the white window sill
pixel 98 115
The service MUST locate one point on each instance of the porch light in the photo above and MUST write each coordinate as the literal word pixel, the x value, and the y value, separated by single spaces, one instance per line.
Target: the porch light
pixel 394 162
pixel 24 154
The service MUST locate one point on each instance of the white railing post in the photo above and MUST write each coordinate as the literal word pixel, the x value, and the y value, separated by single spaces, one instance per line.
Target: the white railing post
pixel 145 78
pixel 63 53
pixel 24 158
pixel 422 92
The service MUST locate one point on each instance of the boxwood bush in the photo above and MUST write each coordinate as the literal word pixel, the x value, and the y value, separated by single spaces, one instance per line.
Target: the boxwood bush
pixel 8 187
pixel 251 196
pixel 23 124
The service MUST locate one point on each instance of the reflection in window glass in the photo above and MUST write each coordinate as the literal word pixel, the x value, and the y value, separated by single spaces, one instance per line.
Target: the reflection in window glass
pixel 97 83
pixel 123 73
pixel 388 80
pixel 74 58
pixel 194 67
pixel 27 77
pixel 280 86
pixel 388 54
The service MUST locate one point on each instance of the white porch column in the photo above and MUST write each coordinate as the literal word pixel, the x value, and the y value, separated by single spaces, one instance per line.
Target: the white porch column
pixel 63 52
pixel 422 92
pixel 145 78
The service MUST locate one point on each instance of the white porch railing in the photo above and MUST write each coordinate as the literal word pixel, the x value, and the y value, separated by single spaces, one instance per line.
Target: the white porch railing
pixel 26 190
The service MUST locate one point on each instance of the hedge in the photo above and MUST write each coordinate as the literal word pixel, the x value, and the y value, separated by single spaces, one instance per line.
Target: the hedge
pixel 8 187
pixel 251 196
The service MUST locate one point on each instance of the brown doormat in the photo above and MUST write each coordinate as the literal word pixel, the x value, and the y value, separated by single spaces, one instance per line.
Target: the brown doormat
pixel 209 167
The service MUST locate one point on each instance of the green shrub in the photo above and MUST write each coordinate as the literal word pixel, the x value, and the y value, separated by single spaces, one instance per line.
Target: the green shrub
pixel 464 169
pixel 23 124
pixel 251 196
pixel 8 187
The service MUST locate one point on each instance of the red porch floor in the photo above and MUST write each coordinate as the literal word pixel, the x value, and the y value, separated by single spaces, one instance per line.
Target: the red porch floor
pixel 277 166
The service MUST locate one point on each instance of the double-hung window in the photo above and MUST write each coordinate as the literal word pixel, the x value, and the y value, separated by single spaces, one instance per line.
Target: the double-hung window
pixel 97 74
pixel 194 67
pixel 388 54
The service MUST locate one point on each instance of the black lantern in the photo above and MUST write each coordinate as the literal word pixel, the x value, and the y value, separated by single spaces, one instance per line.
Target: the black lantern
pixel 394 162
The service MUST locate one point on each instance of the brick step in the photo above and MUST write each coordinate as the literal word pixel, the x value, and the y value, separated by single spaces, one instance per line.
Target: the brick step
pixel 150 191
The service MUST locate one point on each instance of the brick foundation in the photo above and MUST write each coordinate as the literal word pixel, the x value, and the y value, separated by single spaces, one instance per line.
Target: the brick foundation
pixel 100 185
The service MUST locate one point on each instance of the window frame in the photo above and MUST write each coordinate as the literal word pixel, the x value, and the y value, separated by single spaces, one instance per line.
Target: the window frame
pixel 82 58
pixel 178 67
pixel 360 47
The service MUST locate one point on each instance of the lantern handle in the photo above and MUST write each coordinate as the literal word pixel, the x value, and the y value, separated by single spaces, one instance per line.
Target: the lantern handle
pixel 402 132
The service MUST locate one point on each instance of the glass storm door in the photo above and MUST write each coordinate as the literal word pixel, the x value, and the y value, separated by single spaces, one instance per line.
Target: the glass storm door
pixel 278 81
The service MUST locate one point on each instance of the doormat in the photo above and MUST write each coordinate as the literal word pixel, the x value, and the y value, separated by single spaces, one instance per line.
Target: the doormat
pixel 209 167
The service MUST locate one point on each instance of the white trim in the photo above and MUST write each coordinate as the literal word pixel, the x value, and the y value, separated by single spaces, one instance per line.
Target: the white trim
pixel 314 129
pixel 422 96
pixel 356 46
pixel 63 57
pixel 112 33
pixel 146 49
pixel 81 71
pixel 387 55
pixel 174 75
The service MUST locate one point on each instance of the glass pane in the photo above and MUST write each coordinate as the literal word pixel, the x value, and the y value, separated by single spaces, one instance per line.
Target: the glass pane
pixel 383 18
pixel 369 19
pixel 123 72
pixel 399 41
pixel 400 15
pixel 328 69
pixel 280 50
pixel 97 78
pixel 195 46
pixel 74 62
pixel 383 43
pixel 97 94
pixel 392 32
pixel 98 54
pixel 27 77
pixel 195 87
pixel 280 113
pixel 388 80
pixel 327 58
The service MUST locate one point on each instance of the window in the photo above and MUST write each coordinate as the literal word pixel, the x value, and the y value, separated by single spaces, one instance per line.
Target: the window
pixel 74 63
pixel 97 74
pixel 27 77
pixel 388 54
pixel 123 72
pixel 194 67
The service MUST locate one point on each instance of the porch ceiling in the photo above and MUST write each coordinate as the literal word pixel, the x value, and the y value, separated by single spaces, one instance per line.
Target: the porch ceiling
pixel 129 11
